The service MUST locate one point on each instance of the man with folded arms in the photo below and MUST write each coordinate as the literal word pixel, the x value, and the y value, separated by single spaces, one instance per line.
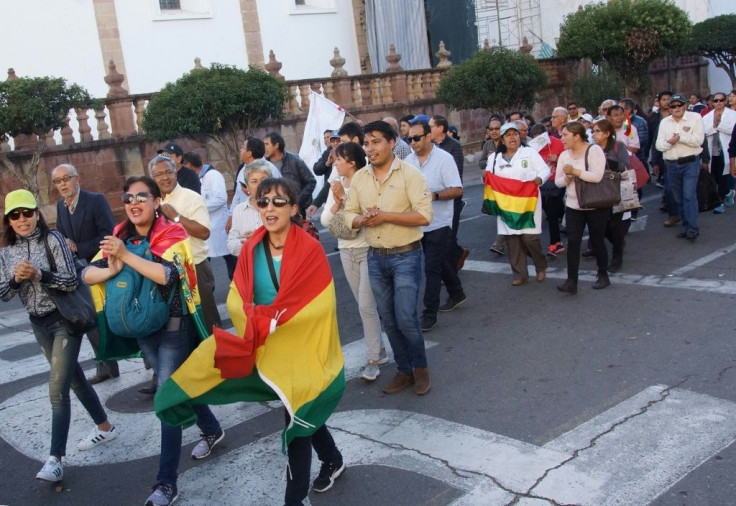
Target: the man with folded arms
pixel 391 200
pixel 680 139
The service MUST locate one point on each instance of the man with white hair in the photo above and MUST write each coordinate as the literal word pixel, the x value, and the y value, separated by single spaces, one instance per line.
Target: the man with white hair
pixel 559 118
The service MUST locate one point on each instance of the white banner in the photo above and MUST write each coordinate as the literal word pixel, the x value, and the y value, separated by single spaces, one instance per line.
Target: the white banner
pixel 323 115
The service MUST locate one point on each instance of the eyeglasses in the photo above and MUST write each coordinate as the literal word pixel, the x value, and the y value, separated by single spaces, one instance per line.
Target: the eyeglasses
pixel 129 198
pixel 416 138
pixel 676 106
pixel 62 179
pixel 263 202
pixel 572 107
pixel 719 100
pixel 159 175
pixel 494 128
pixel 27 213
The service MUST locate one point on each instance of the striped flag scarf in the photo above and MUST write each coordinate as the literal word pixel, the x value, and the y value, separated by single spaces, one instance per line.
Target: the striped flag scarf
pixel 169 241
pixel 511 200
pixel 288 350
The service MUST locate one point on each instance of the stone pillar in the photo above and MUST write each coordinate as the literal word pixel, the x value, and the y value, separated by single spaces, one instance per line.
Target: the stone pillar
pixel 252 32
pixel 273 66
pixel 337 63
pixel 121 112
pixel 359 20
pixel 108 33
pixel 398 79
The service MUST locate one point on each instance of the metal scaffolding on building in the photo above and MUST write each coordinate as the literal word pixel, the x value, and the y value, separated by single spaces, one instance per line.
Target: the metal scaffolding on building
pixel 507 22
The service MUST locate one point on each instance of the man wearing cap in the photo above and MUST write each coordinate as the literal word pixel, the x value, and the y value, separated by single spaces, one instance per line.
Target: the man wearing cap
pixel 84 219
pixel 680 139
pixel 291 167
pixel 389 197
pixel 188 208
pixel 438 134
pixel 444 184
pixel 184 176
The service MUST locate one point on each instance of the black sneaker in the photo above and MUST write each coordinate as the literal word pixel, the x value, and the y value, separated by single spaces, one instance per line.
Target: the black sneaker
pixel 452 303
pixel 428 322
pixel 164 494
pixel 328 473
pixel 205 445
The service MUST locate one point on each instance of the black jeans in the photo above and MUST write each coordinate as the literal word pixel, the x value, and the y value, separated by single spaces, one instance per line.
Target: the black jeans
pixel 554 209
pixel 615 232
pixel 437 268
pixel 596 219
pixel 300 461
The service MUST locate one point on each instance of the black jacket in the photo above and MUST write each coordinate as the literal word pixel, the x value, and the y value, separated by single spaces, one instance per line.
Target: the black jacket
pixel 453 147
pixel 295 169
pixel 187 178
pixel 92 220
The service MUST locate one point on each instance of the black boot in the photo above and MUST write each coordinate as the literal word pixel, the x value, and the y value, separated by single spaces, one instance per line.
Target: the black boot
pixel 601 281
pixel 569 286
pixel 616 264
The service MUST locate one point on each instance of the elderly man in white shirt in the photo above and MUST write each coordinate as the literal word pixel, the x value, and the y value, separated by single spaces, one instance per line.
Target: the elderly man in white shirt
pixel 680 139
pixel 719 124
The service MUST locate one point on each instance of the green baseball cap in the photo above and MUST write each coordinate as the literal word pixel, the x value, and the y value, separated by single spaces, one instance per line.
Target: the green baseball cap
pixel 19 199
pixel 678 97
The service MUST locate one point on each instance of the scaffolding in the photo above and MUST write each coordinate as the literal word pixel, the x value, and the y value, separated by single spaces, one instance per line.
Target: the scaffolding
pixel 507 22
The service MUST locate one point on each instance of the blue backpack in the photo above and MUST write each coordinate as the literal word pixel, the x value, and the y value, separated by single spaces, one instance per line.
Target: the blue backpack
pixel 134 306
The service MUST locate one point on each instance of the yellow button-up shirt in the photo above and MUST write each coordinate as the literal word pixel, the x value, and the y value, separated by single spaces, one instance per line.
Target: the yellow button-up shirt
pixel 404 190
pixel 191 205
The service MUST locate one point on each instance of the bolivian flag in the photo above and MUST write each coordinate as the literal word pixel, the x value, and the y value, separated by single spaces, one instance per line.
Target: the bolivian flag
pixel 169 241
pixel 511 200
pixel 288 350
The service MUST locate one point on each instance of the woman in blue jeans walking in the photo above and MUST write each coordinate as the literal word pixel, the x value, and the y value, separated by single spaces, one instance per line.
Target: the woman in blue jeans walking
pixel 168 347
pixel 24 270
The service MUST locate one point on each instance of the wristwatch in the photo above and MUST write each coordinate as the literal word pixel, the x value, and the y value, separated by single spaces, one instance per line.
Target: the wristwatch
pixel 436 195
pixel 177 218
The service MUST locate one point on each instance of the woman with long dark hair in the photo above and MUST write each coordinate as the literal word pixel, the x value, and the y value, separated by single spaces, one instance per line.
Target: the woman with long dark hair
pixel 167 347
pixel 25 271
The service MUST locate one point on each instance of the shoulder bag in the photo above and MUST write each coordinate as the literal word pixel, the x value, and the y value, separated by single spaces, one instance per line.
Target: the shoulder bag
pixel 76 307
pixel 602 195
pixel 338 229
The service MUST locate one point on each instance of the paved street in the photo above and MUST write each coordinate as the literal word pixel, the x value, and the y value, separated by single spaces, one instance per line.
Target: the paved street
pixel 621 396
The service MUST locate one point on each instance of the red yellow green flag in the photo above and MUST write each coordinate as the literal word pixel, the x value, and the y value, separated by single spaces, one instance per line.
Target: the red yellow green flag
pixel 511 200
pixel 288 350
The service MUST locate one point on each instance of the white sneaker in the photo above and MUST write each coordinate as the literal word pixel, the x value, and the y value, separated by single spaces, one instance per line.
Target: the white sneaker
pixel 97 437
pixel 382 357
pixel 370 371
pixel 52 470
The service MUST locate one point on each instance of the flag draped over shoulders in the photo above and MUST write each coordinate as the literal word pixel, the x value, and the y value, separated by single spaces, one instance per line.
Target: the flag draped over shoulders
pixel 169 241
pixel 511 200
pixel 288 350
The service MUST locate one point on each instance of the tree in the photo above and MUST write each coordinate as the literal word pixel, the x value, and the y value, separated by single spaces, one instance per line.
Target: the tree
pixel 626 34
pixel 591 90
pixel 36 105
pixel 715 39
pixel 216 104
pixel 498 79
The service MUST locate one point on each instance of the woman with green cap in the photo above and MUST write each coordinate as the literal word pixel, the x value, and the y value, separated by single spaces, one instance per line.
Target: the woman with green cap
pixel 24 270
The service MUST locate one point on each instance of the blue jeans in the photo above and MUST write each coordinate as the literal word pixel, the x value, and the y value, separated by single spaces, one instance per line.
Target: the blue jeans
pixel 166 351
pixel 395 281
pixel 682 185
pixel 61 350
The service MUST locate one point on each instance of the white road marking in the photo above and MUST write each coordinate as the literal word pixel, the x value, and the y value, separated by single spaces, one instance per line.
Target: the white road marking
pixel 642 447
pixel 699 285
pixel 25 419
pixel 704 260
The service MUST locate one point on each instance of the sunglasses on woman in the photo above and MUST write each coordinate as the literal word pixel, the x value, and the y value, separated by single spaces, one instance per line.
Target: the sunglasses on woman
pixel 27 213
pixel 129 198
pixel 263 202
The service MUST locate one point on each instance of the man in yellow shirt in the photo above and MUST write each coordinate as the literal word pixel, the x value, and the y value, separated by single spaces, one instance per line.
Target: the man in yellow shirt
pixel 390 199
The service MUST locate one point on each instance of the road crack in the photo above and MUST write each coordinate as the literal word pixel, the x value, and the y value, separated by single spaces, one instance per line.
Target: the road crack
pixel 662 396
pixel 459 472
pixel 723 372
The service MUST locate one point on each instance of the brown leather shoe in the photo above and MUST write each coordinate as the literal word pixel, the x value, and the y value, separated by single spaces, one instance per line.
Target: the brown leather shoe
pixel 671 221
pixel 518 281
pixel 541 275
pixel 421 380
pixel 99 378
pixel 400 382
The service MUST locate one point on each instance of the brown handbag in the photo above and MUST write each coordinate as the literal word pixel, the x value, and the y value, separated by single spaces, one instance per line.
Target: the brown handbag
pixel 602 195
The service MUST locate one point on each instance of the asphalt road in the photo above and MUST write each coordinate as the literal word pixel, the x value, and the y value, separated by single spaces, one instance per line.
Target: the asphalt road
pixel 619 396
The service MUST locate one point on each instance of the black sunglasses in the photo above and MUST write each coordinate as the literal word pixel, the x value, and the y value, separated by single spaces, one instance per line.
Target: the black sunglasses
pixel 129 198
pixel 416 138
pixel 263 202
pixel 27 213
pixel 719 100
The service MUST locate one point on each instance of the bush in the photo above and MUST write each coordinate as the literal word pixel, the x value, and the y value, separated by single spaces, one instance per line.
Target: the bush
pixel 599 85
pixel 496 80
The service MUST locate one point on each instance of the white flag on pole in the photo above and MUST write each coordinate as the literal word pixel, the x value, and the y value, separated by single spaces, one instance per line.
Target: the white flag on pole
pixel 323 115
